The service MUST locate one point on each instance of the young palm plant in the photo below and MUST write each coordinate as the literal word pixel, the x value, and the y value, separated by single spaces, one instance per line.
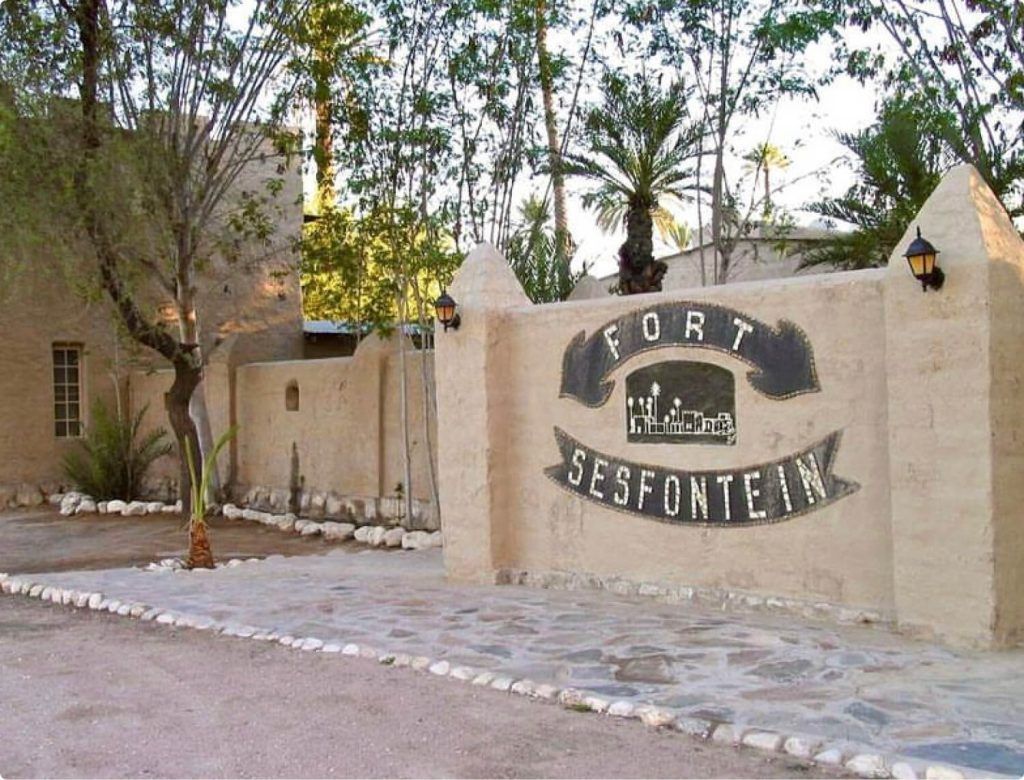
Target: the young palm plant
pixel 643 151
pixel 200 555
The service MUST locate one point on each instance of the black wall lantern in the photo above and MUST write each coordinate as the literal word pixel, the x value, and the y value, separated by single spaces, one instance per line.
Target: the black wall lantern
pixel 444 308
pixel 921 255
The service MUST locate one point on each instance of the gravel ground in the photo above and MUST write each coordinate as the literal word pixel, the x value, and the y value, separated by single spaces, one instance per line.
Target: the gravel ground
pixel 87 695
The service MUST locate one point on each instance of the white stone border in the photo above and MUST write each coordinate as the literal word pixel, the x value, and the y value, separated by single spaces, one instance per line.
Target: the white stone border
pixel 76 503
pixel 372 535
pixel 863 763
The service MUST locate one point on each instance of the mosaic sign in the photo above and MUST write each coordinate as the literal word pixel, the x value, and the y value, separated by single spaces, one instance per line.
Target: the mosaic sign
pixel 782 357
pixel 690 402
pixel 754 495
pixel 681 402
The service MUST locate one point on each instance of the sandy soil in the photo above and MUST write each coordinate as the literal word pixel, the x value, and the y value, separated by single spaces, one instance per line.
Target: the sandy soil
pixel 90 695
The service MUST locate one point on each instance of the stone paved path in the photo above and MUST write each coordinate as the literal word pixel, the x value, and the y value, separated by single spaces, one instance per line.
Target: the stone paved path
pixel 844 683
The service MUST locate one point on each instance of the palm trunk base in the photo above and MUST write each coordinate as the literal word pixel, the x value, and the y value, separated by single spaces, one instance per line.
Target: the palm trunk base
pixel 200 556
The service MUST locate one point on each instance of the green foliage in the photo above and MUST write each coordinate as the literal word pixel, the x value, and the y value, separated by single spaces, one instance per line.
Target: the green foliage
pixel 372 270
pixel 641 148
pixel 531 254
pixel 113 459
pixel 965 61
pixel 900 160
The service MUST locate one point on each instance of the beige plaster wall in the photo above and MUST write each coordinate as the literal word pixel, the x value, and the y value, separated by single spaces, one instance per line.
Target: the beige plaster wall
pixel 956 429
pixel 347 430
pixel 38 312
pixel 925 388
pixel 840 554
pixel 348 427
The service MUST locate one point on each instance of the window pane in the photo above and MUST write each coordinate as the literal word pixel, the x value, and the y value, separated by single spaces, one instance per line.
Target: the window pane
pixel 67 391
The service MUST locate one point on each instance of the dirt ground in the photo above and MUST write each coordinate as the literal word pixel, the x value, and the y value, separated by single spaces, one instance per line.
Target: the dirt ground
pixel 89 695
pixel 41 540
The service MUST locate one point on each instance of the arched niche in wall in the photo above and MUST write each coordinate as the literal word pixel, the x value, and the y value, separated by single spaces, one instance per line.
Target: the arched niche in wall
pixel 291 396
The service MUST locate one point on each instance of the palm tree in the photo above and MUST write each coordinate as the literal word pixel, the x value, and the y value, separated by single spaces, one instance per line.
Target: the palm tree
pixel 763 159
pixel 641 147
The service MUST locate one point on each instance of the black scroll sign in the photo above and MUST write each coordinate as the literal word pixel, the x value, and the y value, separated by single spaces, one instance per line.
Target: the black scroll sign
pixel 781 356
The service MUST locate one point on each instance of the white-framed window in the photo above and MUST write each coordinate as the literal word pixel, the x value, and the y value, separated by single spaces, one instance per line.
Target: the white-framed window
pixel 67 390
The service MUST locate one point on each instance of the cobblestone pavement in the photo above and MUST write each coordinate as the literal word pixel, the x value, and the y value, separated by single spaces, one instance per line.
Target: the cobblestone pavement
pixel 861 685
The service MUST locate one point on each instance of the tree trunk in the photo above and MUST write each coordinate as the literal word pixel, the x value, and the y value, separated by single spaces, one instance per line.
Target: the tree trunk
pixel 403 396
pixel 200 556
pixel 201 415
pixel 639 272
pixel 562 238
pixel 323 152
pixel 429 402
pixel 717 216
pixel 187 376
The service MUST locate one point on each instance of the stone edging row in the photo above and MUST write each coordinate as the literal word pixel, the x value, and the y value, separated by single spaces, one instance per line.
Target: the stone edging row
pixel 373 535
pixel 75 503
pixel 713 598
pixel 862 763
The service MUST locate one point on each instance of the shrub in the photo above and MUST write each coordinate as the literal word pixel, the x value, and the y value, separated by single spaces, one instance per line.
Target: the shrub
pixel 112 460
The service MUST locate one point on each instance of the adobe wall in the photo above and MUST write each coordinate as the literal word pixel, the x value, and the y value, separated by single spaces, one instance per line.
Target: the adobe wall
pixel 347 429
pixel 877 435
pixel 38 312
pixel 344 437
pixel 250 308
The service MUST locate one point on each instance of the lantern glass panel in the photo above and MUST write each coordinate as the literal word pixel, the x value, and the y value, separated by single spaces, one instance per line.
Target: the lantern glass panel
pixel 917 265
pixel 445 313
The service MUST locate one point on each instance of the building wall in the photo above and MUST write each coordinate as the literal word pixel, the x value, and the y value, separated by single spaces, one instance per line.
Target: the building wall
pixel 758 257
pixel 37 313
pixel 920 523
pixel 754 259
pixel 346 431
pixel 249 307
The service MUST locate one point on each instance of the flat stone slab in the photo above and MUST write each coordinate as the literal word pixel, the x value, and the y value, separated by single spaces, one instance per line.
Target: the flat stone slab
pixel 842 684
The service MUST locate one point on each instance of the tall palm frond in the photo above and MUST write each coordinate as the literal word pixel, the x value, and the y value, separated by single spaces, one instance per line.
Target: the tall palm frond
pixel 900 159
pixel 643 150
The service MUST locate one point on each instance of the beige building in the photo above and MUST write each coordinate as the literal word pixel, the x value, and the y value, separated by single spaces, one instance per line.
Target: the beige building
pixel 316 431
pixel 63 352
